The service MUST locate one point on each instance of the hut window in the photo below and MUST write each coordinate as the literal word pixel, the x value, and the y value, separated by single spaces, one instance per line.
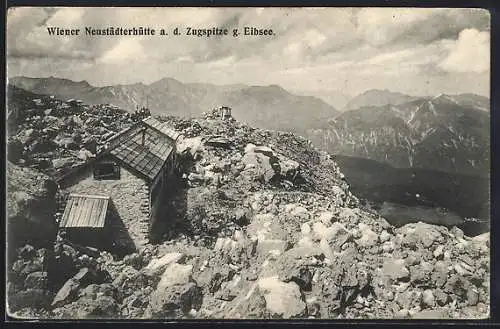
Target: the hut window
pixel 107 170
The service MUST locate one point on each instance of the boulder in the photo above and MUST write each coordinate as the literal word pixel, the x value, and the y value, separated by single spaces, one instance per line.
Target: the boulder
pixel 36 280
pixel 368 237
pixel 305 229
pixel 347 215
pixel 318 230
pixel 421 273
pixel 100 307
pixel 156 266
pixel 27 252
pixel 31 206
pixel 296 272
pixel 251 304
pixel 67 293
pixel 130 280
pixel 441 297
pixel 384 236
pixel 283 300
pixel 428 299
pixel 262 165
pixel 176 292
pixel 336 236
pixel 456 285
pixel 43 146
pixel 105 289
pixel 472 297
pixel 136 260
pixel 266 246
pixel 219 276
pixel 326 218
pixel 409 298
pixel 422 234
pixel 395 270
pixel 175 300
pixel 440 273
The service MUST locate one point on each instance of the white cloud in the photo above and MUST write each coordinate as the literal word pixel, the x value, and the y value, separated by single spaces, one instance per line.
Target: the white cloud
pixel 321 47
pixel 126 50
pixel 470 53
pixel 377 25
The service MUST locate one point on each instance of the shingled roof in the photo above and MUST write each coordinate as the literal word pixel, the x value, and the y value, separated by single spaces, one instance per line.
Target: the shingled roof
pixel 144 148
pixel 162 127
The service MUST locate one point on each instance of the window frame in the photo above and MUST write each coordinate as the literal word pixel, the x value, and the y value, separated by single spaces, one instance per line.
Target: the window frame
pixel 112 173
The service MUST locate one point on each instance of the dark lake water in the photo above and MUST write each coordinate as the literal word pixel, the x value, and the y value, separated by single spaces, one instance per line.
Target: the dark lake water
pixel 406 195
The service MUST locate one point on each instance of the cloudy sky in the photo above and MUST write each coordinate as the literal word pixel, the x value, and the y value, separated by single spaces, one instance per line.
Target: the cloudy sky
pixel 320 50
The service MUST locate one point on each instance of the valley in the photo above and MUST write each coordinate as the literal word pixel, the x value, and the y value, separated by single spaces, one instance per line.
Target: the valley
pixel 404 195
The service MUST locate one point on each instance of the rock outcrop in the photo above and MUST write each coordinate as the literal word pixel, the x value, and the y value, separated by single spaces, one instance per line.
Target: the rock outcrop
pixel 31 206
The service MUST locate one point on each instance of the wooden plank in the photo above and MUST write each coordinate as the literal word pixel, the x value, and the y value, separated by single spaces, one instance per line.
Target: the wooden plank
pixel 91 196
pixel 105 214
pixel 91 220
pixel 83 206
pixel 67 212
pixel 100 206
pixel 93 211
pixel 98 219
pixel 78 209
pixel 103 206
pixel 87 207
pixel 73 212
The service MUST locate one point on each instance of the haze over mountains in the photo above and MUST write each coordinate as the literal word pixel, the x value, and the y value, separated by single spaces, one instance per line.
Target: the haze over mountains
pixel 377 97
pixel 270 107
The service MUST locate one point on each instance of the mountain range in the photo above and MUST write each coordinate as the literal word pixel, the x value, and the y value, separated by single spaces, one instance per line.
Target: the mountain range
pixel 444 133
pixel 377 97
pixel 447 133
pixel 268 107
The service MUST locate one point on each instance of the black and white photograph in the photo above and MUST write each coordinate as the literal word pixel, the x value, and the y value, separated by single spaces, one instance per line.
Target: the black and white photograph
pixel 167 163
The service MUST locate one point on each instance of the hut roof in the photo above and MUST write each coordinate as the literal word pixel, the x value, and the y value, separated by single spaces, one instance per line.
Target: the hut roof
pixel 141 157
pixel 144 147
pixel 163 127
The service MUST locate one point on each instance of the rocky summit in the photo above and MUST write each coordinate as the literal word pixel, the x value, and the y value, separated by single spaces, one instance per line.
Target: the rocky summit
pixel 262 225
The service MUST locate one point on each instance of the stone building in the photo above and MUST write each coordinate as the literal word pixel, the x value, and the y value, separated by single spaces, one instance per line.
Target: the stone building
pixel 134 171
pixel 225 112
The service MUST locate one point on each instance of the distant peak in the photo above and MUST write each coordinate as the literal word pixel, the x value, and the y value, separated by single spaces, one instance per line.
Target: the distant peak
pixel 84 82
pixel 167 80
pixel 377 91
pixel 444 97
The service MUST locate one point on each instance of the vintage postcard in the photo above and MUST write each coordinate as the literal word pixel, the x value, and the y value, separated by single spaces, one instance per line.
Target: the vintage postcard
pixel 248 163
